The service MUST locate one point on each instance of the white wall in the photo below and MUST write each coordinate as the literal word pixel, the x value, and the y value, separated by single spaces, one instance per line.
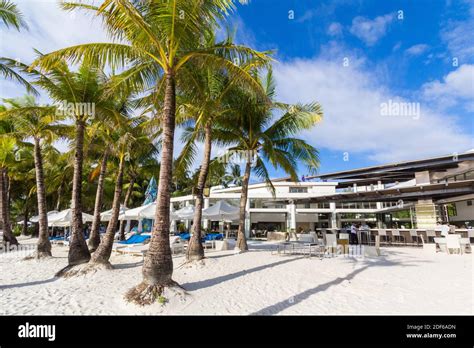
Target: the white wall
pixel 464 212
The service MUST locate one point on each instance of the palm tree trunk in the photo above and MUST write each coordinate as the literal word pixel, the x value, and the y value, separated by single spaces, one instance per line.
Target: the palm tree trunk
pixel 60 194
pixel 94 238
pixel 78 251
pixel 26 212
pixel 126 202
pixel 43 248
pixel 241 240
pixel 8 236
pixel 195 250
pixel 102 254
pixel 158 264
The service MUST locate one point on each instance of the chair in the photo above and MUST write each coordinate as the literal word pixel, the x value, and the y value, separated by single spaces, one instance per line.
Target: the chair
pixel 331 242
pixel 306 238
pixel 396 235
pixel 383 233
pixel 430 234
pixel 440 244
pixel 466 245
pixel 343 235
pixel 415 237
pixel 428 247
pixel 470 234
pixel 453 243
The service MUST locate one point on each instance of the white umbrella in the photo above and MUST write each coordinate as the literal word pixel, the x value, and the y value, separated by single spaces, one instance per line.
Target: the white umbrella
pixel 64 218
pixel 49 213
pixel 146 211
pixel 221 210
pixel 186 213
pixel 106 215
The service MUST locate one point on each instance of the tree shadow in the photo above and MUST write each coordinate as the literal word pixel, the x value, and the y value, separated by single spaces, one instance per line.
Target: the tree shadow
pixel 128 265
pixel 21 285
pixel 282 305
pixel 202 284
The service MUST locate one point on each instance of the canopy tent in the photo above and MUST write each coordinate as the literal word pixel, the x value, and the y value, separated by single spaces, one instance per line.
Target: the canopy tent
pixel 221 211
pixel 186 213
pixel 144 212
pixel 64 218
pixel 106 215
pixel 49 213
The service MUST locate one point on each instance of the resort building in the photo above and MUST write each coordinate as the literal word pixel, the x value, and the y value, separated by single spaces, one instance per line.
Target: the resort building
pixel 413 194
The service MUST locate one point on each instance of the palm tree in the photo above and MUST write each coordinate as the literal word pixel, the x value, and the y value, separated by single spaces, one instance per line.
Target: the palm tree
pixel 234 176
pixel 82 97
pixel 259 139
pixel 10 15
pixel 160 40
pixel 205 103
pixel 39 123
pixel 7 146
pixel 125 137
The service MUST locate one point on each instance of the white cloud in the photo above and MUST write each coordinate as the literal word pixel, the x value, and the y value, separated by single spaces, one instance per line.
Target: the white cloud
pixel 456 87
pixel 371 30
pixel 50 28
pixel 416 50
pixel 351 98
pixel 335 29
pixel 457 35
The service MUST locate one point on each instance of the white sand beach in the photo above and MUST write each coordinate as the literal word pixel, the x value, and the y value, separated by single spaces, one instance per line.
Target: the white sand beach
pixel 402 281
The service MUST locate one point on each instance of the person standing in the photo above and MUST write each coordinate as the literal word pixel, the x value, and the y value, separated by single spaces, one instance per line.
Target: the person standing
pixel 353 234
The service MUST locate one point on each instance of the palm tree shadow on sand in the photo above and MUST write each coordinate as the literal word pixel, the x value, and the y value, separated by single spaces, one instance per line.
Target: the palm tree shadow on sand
pixel 285 304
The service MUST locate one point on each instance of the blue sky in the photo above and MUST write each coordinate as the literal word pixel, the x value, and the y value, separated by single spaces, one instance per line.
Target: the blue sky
pixel 351 56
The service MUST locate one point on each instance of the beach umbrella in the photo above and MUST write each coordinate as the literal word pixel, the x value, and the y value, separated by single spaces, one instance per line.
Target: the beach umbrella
pixel 49 213
pixel 221 211
pixel 106 215
pixel 186 213
pixel 64 218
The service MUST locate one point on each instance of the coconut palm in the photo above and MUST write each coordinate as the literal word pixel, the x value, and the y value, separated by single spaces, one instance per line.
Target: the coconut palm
pixel 82 97
pixel 37 122
pixel 204 103
pixel 159 40
pixel 7 147
pixel 260 139
pixel 234 176
pixel 10 15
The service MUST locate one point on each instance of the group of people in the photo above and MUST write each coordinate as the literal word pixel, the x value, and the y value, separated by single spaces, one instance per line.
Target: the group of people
pixel 354 229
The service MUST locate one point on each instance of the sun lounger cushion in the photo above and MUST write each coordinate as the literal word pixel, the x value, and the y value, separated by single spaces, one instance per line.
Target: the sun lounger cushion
pixel 136 238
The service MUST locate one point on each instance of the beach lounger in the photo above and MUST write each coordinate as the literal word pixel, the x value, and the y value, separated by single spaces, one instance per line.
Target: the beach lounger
pixel 136 239
pixel 453 244
pixel 440 244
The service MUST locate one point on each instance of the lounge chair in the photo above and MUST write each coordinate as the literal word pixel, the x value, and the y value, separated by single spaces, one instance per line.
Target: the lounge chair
pixel 440 244
pixel 453 244
pixel 136 239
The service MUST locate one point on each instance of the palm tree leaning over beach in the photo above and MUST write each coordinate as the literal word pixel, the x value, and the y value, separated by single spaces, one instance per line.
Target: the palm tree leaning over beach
pixel 161 39
pixel 39 123
pixel 259 139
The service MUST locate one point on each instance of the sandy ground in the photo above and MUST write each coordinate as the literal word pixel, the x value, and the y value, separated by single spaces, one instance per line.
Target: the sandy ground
pixel 403 281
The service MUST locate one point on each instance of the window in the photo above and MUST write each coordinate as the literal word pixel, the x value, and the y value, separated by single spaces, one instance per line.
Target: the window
pixel 469 203
pixel 298 190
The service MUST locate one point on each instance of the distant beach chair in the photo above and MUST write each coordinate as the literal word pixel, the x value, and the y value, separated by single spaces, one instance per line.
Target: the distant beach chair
pixel 430 235
pixel 415 237
pixel 383 233
pixel 397 237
